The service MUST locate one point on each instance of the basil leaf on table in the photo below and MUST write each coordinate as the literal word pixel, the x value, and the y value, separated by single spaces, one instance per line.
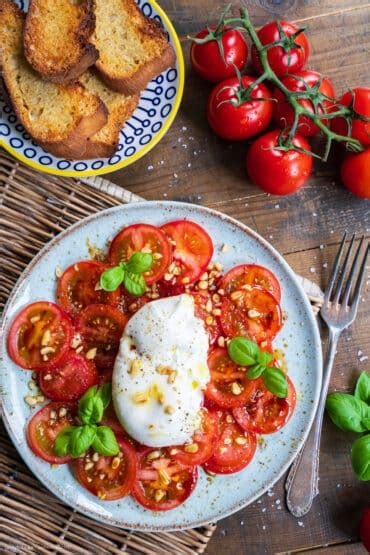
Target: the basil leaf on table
pixel 275 381
pixel 243 351
pixel 362 390
pixel 139 263
pixel 61 445
pixel 347 412
pixel 112 278
pixel 134 283
pixel 91 407
pixel 105 442
pixel 81 439
pixel 361 457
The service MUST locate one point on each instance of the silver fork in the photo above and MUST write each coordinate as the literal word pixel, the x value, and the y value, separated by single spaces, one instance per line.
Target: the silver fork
pixel 338 311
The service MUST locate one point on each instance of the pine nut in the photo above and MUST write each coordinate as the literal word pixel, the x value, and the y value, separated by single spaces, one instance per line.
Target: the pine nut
pixel 209 306
pixel 241 440
pixel 221 341
pixel 115 462
pixel 253 313
pixel 185 280
pixel 95 457
pixel 48 377
pixel 236 389
pixel 204 276
pixel 62 412
pixel 140 398
pixel 154 455
pixel 31 401
pixel 227 440
pixel 216 312
pixel 89 465
pixel 168 277
pixel 235 295
pixel 203 285
pixel 192 448
pixel 159 494
pixel 221 292
pixel 209 320
pixel 157 255
pixel 225 248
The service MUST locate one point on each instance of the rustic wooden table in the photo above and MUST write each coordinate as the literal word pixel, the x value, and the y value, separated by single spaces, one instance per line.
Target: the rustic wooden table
pixel 191 164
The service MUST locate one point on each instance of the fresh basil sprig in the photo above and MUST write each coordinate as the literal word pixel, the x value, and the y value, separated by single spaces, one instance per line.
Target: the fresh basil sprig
pixel 129 273
pixel 351 413
pixel 245 352
pixel 75 440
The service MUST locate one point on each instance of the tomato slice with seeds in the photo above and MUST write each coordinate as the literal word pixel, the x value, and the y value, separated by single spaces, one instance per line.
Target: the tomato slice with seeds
pixel 264 413
pixel 40 336
pixel 109 478
pixel 101 327
pixel 229 383
pixel 79 286
pixel 70 380
pixel 253 313
pixel 162 483
pixel 192 249
pixel 251 274
pixel 204 441
pixel 235 447
pixel 137 237
pixel 44 427
pixel 212 323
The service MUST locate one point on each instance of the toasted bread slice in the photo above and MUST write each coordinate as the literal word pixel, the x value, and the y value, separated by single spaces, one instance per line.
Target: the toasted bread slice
pixel 132 48
pixel 58 117
pixel 120 108
pixel 56 38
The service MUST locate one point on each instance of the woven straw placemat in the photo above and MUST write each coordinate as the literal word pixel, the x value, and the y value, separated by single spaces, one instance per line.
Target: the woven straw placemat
pixel 34 208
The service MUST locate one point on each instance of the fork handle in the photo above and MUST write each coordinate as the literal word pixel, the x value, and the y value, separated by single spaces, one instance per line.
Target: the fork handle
pixel 302 481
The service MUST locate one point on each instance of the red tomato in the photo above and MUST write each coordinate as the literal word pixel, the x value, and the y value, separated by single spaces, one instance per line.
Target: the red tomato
pixel 39 337
pixel 264 413
pixel 253 313
pixel 283 111
pixel 280 60
pixel 204 439
pixel 77 287
pixel 70 380
pixel 275 171
pixel 213 325
pixel 365 529
pixel 44 427
pixel 235 447
pixel 250 274
pixel 162 483
pixel 207 60
pixel 137 237
pixel 228 387
pixel 104 479
pixel 101 327
pixel 167 289
pixel 359 99
pixel 192 249
pixel 234 119
pixel 355 173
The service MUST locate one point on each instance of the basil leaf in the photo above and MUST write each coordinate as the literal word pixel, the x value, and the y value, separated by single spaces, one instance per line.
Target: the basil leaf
pixel 255 371
pixel 139 262
pixel 91 406
pixel 105 442
pixel 134 284
pixel 111 279
pixel 61 445
pixel 275 381
pixel 264 358
pixel 80 440
pixel 362 390
pixel 361 457
pixel 347 412
pixel 105 394
pixel 243 351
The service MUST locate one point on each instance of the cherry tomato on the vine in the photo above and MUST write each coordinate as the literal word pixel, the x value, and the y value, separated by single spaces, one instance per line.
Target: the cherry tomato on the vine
pixel 283 112
pixel 207 60
pixel 280 60
pixel 233 118
pixel 277 171
pixel 355 173
pixel 359 99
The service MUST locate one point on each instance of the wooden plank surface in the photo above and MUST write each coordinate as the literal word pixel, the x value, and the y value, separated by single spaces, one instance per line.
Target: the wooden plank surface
pixel 193 165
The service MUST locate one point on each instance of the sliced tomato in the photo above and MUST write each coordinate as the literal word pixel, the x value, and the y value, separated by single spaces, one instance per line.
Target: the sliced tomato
pixel 106 479
pixel 70 380
pixel 44 427
pixel 204 439
pixel 40 336
pixel 135 238
pixel 192 249
pixel 79 286
pixel 162 483
pixel 168 289
pixel 101 327
pixel 264 413
pixel 235 447
pixel 229 383
pixel 251 274
pixel 212 323
pixel 253 313
pixel 131 304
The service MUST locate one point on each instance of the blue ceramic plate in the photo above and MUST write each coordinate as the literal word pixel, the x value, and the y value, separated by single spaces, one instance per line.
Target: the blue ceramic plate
pixel 214 498
pixel 152 118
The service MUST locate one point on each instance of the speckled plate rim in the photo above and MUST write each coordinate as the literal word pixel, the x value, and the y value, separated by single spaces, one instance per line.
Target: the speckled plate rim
pixel 146 148
pixel 188 208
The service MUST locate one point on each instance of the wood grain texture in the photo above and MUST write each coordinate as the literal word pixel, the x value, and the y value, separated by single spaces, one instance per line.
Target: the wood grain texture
pixel 191 164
